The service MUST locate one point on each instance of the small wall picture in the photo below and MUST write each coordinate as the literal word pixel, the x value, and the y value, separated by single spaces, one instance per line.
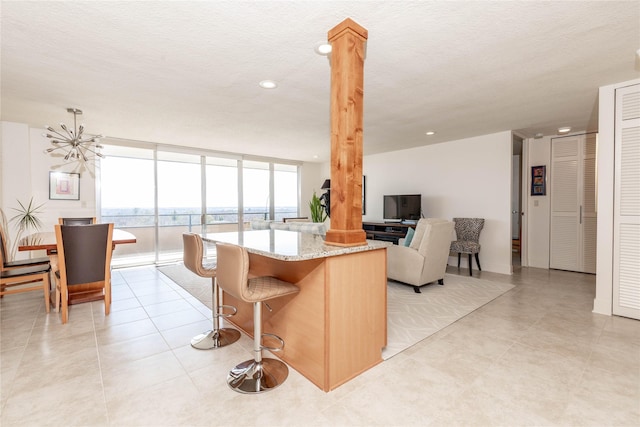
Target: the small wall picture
pixel 64 186
pixel 538 180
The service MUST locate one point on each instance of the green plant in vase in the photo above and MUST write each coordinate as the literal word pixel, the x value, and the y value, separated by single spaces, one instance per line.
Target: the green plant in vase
pixel 26 220
pixel 318 214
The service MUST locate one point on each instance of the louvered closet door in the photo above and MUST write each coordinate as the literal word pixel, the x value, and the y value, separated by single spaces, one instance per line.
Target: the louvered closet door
pixel 564 203
pixel 626 227
pixel 573 213
pixel 588 213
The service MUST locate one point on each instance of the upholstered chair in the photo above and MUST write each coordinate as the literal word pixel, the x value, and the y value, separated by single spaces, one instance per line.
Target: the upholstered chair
pixel 468 239
pixel 425 259
pixel 195 262
pixel 258 374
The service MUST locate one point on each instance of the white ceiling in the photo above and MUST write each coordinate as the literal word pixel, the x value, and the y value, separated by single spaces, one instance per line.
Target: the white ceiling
pixel 187 73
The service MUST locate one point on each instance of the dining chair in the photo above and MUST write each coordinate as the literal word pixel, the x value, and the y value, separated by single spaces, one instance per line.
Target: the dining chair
pixel 19 276
pixel 77 221
pixel 23 262
pixel 53 255
pixel 84 265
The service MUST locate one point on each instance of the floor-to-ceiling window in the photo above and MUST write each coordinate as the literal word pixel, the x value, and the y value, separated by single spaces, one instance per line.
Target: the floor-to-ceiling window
pixel 221 189
pixel 285 191
pixel 179 178
pixel 126 188
pixel 158 194
pixel 256 198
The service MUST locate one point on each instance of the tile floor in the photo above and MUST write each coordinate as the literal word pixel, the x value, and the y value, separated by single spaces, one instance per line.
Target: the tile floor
pixel 534 356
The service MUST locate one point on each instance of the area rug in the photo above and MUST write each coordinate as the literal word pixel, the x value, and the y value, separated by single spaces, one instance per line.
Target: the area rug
pixel 411 317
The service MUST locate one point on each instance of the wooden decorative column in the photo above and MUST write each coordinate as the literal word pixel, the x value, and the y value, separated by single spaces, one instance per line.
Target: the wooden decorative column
pixel 347 81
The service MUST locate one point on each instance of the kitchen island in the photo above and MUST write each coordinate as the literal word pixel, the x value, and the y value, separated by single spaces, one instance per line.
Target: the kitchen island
pixel 336 326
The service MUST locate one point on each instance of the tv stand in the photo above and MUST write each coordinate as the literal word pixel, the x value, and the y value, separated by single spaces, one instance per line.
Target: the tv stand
pixel 387 231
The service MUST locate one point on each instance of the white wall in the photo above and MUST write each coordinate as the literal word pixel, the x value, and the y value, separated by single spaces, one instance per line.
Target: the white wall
pixel 464 178
pixel 25 174
pixel 16 152
pixel 311 180
pixel 602 303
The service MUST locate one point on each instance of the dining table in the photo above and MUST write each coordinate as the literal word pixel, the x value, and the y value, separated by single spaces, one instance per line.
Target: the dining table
pixel 46 240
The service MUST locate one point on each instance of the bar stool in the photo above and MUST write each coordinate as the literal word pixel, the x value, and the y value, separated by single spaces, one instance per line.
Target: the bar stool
pixel 193 260
pixel 258 374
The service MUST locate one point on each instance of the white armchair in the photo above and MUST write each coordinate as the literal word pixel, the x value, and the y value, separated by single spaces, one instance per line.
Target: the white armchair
pixel 425 259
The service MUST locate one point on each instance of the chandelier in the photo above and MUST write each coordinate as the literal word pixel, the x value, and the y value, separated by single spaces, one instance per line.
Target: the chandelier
pixel 76 144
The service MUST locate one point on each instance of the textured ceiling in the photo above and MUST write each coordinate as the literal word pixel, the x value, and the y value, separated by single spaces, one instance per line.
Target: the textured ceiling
pixel 187 73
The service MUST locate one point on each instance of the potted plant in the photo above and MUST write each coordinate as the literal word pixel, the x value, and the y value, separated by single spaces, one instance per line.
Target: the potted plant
pixel 26 220
pixel 318 213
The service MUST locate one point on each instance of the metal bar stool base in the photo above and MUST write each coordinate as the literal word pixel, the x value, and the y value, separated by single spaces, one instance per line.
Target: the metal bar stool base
pixel 215 339
pixel 256 377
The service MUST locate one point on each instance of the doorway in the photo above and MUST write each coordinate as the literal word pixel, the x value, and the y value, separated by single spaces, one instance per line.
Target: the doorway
pixel 516 201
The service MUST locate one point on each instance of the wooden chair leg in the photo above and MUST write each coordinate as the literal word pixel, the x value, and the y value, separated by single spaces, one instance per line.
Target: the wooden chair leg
pixel 64 296
pixel 107 298
pixel 46 284
pixel 58 295
pixel 459 259
pixel 470 265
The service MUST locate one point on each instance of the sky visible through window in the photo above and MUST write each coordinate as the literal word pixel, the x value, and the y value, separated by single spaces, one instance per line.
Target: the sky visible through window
pixel 127 183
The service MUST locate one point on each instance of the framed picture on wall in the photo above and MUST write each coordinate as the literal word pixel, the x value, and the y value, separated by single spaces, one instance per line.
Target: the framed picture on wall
pixel 64 186
pixel 538 180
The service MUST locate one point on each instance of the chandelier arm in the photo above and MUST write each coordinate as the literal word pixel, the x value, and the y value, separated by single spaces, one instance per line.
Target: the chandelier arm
pixel 69 133
pixel 57 147
pixel 62 144
pixel 91 150
pixel 86 139
pixel 50 129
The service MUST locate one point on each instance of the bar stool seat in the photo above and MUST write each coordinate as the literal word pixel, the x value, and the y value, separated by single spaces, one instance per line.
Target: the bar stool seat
pixel 194 260
pixel 258 374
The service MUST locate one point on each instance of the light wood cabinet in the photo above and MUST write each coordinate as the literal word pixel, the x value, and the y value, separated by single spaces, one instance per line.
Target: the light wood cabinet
pixel 336 326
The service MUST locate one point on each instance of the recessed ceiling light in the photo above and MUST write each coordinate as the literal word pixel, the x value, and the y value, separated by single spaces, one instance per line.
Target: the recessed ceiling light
pixel 565 129
pixel 430 133
pixel 323 48
pixel 538 135
pixel 268 84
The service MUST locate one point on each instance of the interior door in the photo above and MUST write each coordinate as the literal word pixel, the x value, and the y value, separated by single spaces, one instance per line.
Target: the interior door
pixel 573 210
pixel 626 216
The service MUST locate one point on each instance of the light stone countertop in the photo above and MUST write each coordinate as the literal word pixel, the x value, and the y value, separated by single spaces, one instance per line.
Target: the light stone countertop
pixel 288 245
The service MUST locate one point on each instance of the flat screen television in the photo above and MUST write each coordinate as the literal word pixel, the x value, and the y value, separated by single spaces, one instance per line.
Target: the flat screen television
pixel 402 207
